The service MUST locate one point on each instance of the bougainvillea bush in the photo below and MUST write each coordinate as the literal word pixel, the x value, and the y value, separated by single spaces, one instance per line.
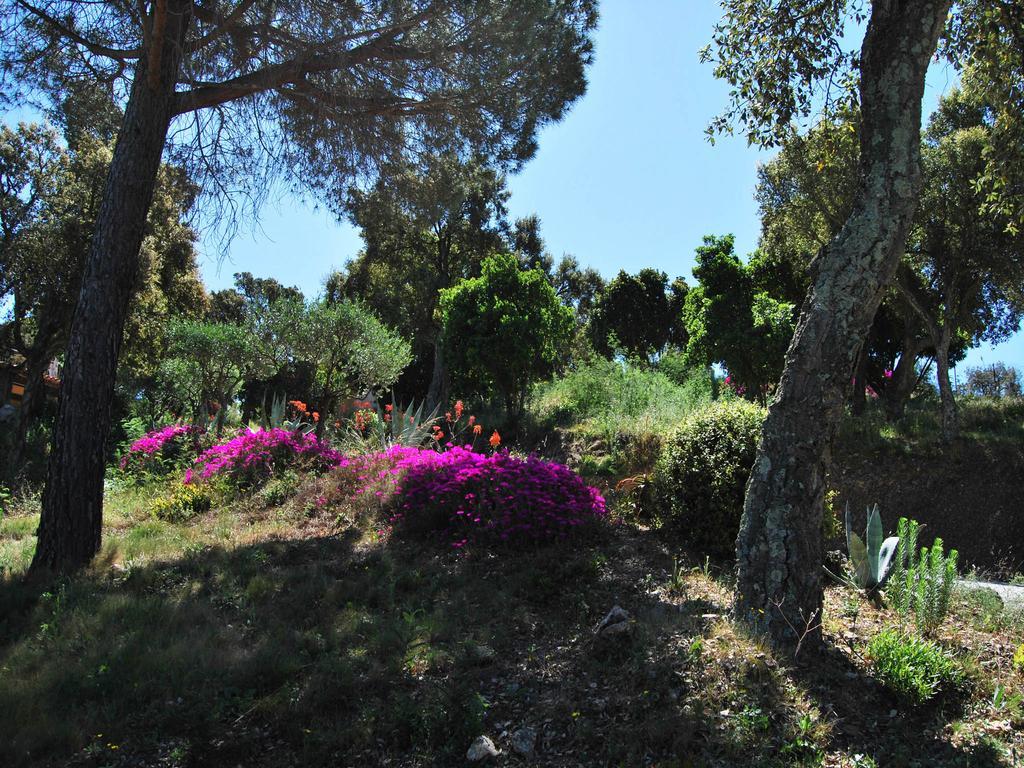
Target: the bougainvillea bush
pixel 161 449
pixel 465 496
pixel 252 456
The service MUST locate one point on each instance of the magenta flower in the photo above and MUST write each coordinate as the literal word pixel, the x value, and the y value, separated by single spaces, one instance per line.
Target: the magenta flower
pixel 466 496
pixel 253 455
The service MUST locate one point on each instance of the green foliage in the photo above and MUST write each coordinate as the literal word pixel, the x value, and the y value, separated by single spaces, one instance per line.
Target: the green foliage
pixel 617 413
pixel 279 488
pixel 426 226
pixel 504 330
pixel 638 315
pixel 208 363
pixel 997 381
pixel 183 503
pixel 901 587
pixel 389 425
pixel 702 473
pixel 914 669
pixel 992 59
pixel 808 64
pixel 351 350
pixel 611 391
pixel 921 583
pixel 729 323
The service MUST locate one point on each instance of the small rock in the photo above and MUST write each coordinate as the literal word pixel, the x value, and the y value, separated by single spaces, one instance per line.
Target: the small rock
pixel 621 628
pixel 481 749
pixel 615 623
pixel 480 653
pixel 524 740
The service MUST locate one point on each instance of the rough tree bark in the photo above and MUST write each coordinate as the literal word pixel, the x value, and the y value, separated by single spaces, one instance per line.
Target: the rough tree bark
pixel 69 528
pixel 950 417
pixel 779 548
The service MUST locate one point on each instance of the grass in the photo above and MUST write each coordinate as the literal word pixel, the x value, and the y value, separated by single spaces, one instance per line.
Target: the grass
pixel 982 419
pixel 610 416
pixel 263 632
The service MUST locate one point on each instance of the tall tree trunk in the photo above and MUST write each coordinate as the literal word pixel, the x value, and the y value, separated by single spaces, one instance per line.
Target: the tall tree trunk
pixel 950 417
pixel 71 521
pixel 779 548
pixel 438 391
pixel 904 378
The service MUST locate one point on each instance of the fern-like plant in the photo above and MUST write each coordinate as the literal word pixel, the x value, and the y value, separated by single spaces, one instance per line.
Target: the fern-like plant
pixel 900 586
pixel 921 582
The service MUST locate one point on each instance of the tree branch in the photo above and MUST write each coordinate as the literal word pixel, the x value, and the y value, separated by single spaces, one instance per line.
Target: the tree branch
pixel 76 37
pixel 221 24
pixel 295 70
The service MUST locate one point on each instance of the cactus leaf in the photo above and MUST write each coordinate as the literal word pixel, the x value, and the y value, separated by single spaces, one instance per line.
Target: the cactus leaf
pixel 858 558
pixel 885 559
pixel 873 544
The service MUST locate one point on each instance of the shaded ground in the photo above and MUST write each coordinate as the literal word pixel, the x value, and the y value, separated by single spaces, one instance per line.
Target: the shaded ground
pixel 969 494
pixel 271 637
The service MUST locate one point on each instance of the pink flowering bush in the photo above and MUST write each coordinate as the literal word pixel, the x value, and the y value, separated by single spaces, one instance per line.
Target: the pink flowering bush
pixel 252 456
pixel 467 496
pixel 160 449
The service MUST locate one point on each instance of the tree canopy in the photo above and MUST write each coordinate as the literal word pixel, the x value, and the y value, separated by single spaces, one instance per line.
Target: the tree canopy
pixel 504 330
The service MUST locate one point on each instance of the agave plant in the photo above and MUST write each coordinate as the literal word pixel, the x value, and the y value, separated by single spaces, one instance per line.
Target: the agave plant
pixel 871 558
pixel 406 426
pixel 275 418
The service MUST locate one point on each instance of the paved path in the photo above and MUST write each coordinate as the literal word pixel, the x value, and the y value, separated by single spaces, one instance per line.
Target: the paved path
pixel 1011 594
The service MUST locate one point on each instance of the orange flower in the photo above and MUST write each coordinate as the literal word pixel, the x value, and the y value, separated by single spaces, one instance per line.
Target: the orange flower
pixel 448 416
pixel 298 405
pixel 316 417
pixel 495 440
pixel 458 410
pixel 477 429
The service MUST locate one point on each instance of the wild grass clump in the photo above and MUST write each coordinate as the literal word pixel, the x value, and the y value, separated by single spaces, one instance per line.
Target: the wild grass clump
pixel 914 669
pixel 609 397
pixel 183 503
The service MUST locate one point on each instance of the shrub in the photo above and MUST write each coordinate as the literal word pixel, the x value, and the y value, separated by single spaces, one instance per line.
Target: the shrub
pixel 1018 659
pixel 702 473
pixel 279 489
pixel 467 496
pixel 184 503
pixel 252 456
pixel 912 668
pixel 160 450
